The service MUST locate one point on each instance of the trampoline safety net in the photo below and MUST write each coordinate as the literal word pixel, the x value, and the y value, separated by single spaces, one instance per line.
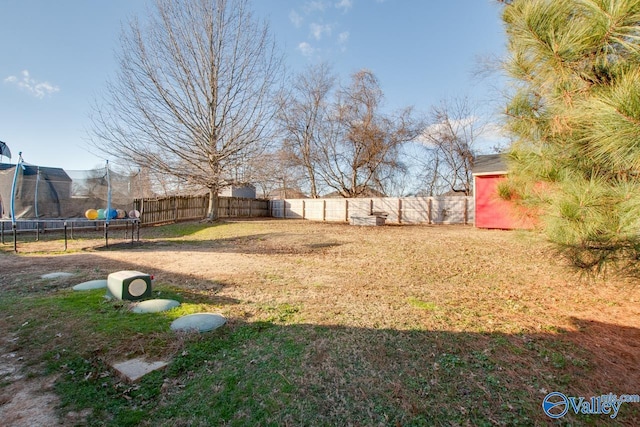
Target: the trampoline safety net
pixel 54 193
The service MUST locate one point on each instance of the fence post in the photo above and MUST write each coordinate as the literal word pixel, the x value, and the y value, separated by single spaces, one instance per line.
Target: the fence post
pixel 429 208
pixel 303 209
pixel 324 210
pixel 466 212
pixel 346 210
pixel 175 209
pixel 399 211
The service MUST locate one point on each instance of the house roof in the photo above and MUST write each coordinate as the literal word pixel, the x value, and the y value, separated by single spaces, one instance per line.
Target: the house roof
pixel 286 193
pixel 55 174
pixel 490 164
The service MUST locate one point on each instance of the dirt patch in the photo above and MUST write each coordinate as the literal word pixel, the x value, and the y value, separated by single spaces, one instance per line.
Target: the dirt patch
pixel 24 402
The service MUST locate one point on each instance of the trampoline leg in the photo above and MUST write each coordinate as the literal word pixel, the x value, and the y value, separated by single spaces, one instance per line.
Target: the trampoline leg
pixel 2 231
pixel 106 234
pixel 37 231
pixel 15 238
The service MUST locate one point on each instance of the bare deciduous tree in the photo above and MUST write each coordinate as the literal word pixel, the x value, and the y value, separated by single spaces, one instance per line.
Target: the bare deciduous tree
pixel 193 94
pixel 303 111
pixel 449 144
pixel 360 147
pixel 277 172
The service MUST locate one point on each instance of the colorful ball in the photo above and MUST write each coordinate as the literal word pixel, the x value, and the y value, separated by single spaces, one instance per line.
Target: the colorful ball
pixel 121 214
pixel 134 214
pixel 91 214
pixel 110 214
pixel 100 213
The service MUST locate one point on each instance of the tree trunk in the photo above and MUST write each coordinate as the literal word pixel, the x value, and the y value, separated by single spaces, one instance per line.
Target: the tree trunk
pixel 212 210
pixel 312 179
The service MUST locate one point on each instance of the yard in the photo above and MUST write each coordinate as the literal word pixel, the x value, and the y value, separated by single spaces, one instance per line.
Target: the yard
pixel 329 324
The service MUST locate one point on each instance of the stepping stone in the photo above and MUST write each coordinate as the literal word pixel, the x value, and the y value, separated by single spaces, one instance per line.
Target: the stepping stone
pixel 155 306
pixel 134 369
pixel 90 285
pixel 201 322
pixel 56 275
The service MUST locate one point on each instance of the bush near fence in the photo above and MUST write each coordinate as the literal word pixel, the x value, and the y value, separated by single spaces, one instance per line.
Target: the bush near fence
pixel 407 210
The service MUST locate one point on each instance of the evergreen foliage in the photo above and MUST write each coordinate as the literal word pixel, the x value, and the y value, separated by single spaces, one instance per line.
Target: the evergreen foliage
pixel 574 118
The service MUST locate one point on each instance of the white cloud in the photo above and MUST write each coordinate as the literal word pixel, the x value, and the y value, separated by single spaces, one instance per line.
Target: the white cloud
pixel 345 5
pixel 494 131
pixel 34 87
pixel 314 6
pixel 456 126
pixel 319 30
pixel 343 37
pixel 295 18
pixel 486 135
pixel 306 49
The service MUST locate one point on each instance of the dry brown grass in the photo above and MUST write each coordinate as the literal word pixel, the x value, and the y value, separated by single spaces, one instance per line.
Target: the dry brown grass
pixel 470 291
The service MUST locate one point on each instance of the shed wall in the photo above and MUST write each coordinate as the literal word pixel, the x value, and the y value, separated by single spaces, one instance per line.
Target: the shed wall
pixel 494 212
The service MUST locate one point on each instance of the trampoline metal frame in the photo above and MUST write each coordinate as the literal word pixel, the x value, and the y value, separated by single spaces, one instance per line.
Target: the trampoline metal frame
pixel 68 225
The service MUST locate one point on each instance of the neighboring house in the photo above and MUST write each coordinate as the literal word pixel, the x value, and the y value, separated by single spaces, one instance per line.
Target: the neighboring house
pixel 285 193
pixel 491 210
pixel 38 188
pixel 246 191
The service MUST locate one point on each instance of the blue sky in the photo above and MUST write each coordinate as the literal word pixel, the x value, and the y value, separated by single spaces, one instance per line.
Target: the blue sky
pixel 55 57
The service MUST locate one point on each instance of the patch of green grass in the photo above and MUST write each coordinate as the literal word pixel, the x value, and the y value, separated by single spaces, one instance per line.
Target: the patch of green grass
pixel 111 317
pixel 196 231
pixel 281 313
pixel 182 229
pixel 242 377
pixel 424 305
pixel 89 383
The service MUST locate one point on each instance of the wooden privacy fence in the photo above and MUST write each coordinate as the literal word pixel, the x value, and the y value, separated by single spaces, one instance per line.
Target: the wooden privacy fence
pixel 183 208
pixel 407 210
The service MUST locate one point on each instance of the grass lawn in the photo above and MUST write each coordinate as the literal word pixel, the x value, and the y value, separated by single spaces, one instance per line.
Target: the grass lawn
pixel 329 324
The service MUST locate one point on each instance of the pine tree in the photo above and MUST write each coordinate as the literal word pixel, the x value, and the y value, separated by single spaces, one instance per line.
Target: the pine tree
pixel 574 118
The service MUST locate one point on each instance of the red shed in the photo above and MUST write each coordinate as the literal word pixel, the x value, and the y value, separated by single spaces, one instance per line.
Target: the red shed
pixel 491 210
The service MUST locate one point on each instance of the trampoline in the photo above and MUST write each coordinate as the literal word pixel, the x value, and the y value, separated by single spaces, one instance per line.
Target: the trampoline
pixel 38 199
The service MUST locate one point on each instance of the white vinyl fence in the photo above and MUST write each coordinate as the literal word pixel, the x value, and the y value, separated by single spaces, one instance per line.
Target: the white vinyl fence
pixel 407 210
